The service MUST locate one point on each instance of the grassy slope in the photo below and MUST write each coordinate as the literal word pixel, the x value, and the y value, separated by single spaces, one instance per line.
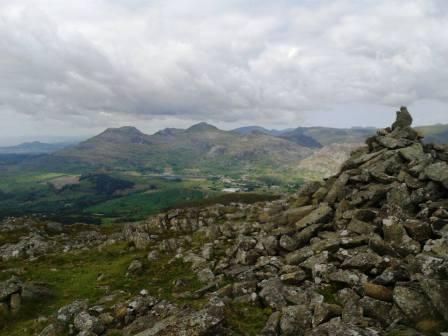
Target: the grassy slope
pixel 74 276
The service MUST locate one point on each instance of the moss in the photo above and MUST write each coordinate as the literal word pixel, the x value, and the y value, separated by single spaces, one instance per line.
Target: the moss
pixel 246 319
pixel 329 293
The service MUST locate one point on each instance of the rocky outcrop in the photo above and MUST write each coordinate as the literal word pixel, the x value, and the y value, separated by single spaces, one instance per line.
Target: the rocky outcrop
pixel 14 293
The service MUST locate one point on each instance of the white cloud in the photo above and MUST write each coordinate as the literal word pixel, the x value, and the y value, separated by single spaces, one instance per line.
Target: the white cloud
pixel 101 61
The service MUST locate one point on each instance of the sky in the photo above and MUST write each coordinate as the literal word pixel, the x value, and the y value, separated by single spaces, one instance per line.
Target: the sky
pixel 75 67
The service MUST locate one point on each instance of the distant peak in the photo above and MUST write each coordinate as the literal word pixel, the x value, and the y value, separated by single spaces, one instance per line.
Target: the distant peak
pixel 170 131
pixel 202 126
pixel 124 130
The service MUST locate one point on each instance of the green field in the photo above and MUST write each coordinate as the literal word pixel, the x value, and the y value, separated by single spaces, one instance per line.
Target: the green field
pixel 112 196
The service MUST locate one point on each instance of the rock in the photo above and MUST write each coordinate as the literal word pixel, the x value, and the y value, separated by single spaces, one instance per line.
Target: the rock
pixel 345 277
pixel 413 303
pixel 324 312
pixel 189 322
pixel 293 278
pixel 379 310
pixel 272 293
pixel 270 244
pixel 336 327
pixel 413 153
pixel 418 230
pixel 295 320
pixel 135 266
pixel 364 261
pixel 15 302
pixel 67 313
pixel 395 233
pixel 292 215
pixel 377 291
pixel 404 119
pixel 438 172
pixel 207 251
pixel 86 322
pixel 152 255
pixel 320 215
pixel 303 237
pixel 51 330
pixel 297 257
pixel 337 188
pixel 9 287
pixel 391 275
pixel 206 276
pixel 287 243
pixel 437 291
pixel 360 227
pixel 272 325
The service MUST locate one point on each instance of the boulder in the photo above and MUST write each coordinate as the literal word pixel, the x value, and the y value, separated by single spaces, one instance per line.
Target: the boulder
pixel 295 320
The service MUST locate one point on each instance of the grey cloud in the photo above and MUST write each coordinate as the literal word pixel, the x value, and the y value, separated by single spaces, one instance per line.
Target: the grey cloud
pixel 218 60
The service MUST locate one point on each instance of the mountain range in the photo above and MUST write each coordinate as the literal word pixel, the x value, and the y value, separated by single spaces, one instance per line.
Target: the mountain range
pixel 205 149
pixel 35 147
pixel 201 147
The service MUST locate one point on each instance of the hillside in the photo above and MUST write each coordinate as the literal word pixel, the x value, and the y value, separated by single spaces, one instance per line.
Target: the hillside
pixel 434 133
pixel 363 253
pixel 35 147
pixel 201 146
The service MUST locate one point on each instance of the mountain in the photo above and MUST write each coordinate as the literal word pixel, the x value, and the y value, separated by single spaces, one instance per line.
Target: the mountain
pixel 327 135
pixel 35 147
pixel 202 146
pixel 435 133
pixel 326 161
pixel 300 138
pixel 249 129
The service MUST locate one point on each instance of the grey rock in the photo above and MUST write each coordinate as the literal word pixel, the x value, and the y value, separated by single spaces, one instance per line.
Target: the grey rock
pixel 135 266
pixel 413 302
pixel 67 313
pixel 437 291
pixel 86 322
pixel 438 172
pixel 288 243
pixel 272 293
pixel 403 119
pixel 295 320
pixel 364 261
pixel 272 325
pixel 324 312
pixel 320 215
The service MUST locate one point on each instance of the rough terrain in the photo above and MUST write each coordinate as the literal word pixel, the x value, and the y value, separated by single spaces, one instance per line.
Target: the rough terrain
pixel 363 253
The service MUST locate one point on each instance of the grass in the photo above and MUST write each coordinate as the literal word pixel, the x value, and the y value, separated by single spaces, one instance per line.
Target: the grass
pixel 74 276
pixel 142 204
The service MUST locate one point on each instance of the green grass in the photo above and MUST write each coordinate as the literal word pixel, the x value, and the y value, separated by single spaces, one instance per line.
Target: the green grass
pixel 142 204
pixel 74 276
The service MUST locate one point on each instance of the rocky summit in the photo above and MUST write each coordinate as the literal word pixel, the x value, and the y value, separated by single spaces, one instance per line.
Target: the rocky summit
pixel 363 253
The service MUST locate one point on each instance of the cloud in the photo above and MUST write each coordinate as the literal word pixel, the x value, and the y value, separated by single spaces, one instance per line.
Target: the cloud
pixel 91 62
